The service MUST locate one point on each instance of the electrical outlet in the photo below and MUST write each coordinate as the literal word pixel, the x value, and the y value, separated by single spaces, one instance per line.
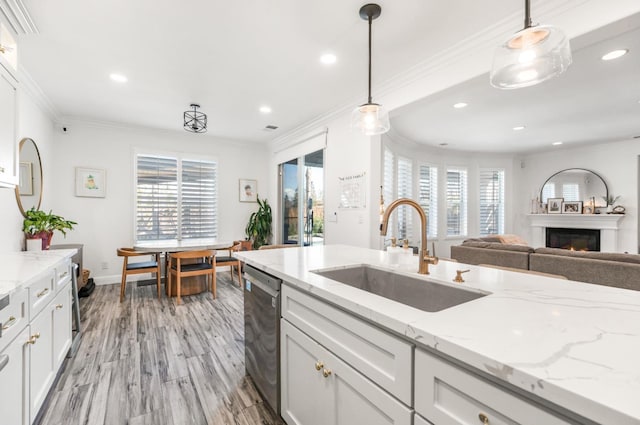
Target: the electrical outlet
pixel 105 265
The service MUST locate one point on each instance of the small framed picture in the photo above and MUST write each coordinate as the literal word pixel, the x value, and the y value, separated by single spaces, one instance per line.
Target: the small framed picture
pixel 588 209
pixel 248 190
pixel 554 205
pixel 91 182
pixel 572 207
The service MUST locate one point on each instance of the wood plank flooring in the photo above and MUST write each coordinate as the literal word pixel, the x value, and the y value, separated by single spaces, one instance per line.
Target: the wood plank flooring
pixel 149 362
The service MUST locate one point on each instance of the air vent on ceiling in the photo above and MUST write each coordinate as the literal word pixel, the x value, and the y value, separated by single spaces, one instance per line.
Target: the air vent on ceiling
pixel 270 128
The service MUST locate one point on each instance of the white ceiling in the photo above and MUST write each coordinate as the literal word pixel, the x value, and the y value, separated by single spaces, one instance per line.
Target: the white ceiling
pixel 593 101
pixel 231 56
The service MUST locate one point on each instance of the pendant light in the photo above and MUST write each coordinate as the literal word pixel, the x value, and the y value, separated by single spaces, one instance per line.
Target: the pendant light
pixel 370 118
pixel 531 56
pixel 195 121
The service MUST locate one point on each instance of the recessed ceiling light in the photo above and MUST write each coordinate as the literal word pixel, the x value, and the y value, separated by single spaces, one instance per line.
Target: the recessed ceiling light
pixel 519 127
pixel 615 54
pixel 118 77
pixel 265 109
pixel 328 59
pixel 459 105
pixel 556 143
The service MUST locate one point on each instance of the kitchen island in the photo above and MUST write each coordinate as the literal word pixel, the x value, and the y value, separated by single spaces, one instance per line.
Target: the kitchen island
pixel 572 345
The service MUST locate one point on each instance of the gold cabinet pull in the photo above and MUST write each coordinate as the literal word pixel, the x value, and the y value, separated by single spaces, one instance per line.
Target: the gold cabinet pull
pixel 2 50
pixel 32 340
pixel 484 419
pixel 319 365
pixel 59 306
pixel 42 293
pixel 10 322
pixel 326 373
pixel 62 275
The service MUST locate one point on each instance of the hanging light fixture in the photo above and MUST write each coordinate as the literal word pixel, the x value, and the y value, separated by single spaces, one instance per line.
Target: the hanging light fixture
pixel 531 56
pixel 371 118
pixel 195 121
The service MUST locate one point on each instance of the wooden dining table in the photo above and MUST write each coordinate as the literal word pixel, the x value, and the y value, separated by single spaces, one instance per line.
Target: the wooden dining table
pixel 190 285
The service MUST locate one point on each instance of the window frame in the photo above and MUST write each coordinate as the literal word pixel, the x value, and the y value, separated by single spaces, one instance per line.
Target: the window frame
pixel 502 203
pixel 464 201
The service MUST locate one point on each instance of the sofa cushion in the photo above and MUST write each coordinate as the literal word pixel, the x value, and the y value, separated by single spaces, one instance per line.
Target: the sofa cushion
pixel 594 255
pixel 506 239
pixel 474 243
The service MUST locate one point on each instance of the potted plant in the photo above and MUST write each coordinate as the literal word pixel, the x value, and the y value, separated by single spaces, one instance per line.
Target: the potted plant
pixel 611 201
pixel 38 224
pixel 258 228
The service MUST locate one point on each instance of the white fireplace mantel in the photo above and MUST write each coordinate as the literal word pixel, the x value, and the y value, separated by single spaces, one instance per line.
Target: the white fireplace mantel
pixel 608 224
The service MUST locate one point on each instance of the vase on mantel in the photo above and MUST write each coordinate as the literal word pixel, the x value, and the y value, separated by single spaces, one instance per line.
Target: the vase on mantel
pixel 609 209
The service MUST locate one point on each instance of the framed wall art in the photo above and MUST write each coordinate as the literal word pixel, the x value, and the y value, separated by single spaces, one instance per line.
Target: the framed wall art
pixel 91 182
pixel 248 190
pixel 572 207
pixel 554 205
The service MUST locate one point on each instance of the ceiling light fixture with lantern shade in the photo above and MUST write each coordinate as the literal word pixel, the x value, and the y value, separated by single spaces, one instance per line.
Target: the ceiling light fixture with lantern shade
pixel 195 121
pixel 532 55
pixel 370 118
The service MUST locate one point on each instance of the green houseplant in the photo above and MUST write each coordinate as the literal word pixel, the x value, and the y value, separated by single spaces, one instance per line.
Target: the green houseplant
pixel 258 228
pixel 38 224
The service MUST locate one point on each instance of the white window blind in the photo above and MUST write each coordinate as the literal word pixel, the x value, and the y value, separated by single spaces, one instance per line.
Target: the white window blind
pixel 548 191
pixel 388 187
pixel 175 198
pixel 428 197
pixel 491 202
pixel 570 192
pixel 456 202
pixel 405 190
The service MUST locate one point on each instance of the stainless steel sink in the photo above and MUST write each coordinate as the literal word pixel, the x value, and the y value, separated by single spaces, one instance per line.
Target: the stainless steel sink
pixel 418 293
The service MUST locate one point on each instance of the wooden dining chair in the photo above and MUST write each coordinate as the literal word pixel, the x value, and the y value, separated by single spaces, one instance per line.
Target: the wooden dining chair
pixel 138 267
pixel 180 269
pixel 231 261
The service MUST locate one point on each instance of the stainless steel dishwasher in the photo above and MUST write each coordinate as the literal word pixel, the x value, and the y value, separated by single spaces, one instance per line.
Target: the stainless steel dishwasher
pixel 262 333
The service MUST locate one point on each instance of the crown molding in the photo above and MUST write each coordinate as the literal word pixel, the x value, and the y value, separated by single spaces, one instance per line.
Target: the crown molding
pixel 484 40
pixel 17 15
pixel 30 87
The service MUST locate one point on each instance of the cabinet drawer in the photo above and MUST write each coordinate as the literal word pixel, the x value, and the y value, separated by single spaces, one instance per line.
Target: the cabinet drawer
pixel 382 357
pixel 13 317
pixel 41 293
pixel 419 420
pixel 446 394
pixel 63 274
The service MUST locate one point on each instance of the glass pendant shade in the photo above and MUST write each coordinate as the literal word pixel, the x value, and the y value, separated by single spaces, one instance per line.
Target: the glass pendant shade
pixel 370 119
pixel 531 56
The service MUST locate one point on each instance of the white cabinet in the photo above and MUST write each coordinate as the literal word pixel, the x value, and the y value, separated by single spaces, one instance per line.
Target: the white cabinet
pixel 41 366
pixel 319 388
pixel 446 394
pixel 14 381
pixel 419 420
pixel 61 312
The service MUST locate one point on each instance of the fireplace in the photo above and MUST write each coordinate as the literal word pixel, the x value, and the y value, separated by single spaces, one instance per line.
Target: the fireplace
pixel 573 239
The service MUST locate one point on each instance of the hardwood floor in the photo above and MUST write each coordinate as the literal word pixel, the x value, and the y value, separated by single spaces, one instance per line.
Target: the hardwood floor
pixel 149 362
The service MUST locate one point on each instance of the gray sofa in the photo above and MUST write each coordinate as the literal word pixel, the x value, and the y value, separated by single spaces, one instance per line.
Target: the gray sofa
pixel 603 268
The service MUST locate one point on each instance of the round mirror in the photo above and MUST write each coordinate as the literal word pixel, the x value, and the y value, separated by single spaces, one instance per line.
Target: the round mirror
pixel 575 184
pixel 29 189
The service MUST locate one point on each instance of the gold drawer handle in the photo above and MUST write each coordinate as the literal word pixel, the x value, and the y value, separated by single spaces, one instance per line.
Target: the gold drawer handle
pixel 319 365
pixel 59 306
pixel 10 322
pixel 32 340
pixel 1 168
pixel 42 293
pixel 326 373
pixel 63 275
pixel 484 419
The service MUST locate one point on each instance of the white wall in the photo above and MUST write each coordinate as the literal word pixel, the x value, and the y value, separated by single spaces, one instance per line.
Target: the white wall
pixel 615 162
pixel 105 224
pixel 35 124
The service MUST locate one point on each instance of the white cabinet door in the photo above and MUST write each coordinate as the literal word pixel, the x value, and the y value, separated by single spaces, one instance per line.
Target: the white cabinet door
pixel 8 142
pixel 332 393
pixel 14 381
pixel 42 371
pixel 61 310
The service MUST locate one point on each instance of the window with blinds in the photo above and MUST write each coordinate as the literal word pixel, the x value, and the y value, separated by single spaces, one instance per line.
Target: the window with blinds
pixel 456 202
pixel 405 190
pixel 548 191
pixel 570 192
pixel 491 202
pixel 175 198
pixel 428 197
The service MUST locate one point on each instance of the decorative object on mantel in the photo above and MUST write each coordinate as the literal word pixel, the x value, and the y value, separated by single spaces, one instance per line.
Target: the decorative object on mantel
pixel 572 207
pixel 618 209
pixel 611 201
pixel 40 225
pixel 195 121
pixel 530 56
pixel 371 118
pixel 554 205
pixel 258 228
pixel 91 182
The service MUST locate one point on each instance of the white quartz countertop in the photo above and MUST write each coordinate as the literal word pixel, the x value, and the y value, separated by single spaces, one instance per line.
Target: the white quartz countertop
pixel 18 269
pixel 574 344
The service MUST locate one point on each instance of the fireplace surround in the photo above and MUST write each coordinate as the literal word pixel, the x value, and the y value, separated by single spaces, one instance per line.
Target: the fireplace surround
pixel 607 224
pixel 573 239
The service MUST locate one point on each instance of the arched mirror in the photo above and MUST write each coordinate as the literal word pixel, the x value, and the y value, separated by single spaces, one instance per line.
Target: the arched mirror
pixel 29 189
pixel 575 184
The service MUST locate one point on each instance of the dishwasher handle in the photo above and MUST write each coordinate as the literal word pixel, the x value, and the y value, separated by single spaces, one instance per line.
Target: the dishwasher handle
pixel 250 281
